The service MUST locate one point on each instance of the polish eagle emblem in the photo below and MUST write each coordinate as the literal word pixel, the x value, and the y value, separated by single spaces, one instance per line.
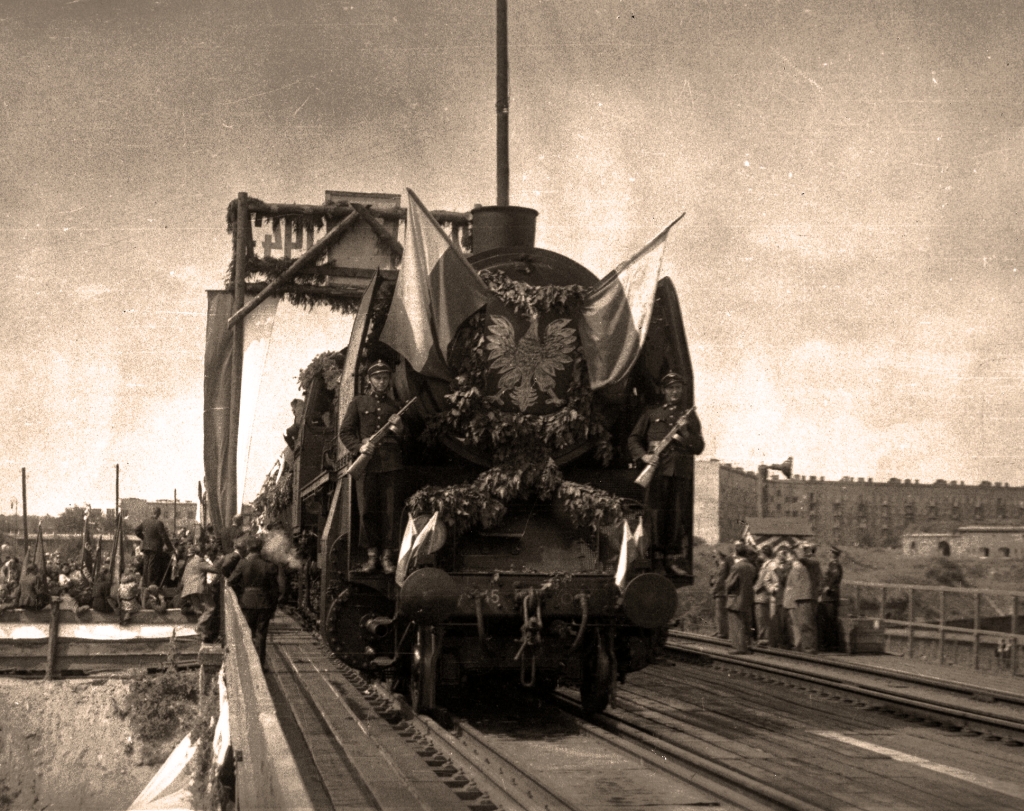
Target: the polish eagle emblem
pixel 530 364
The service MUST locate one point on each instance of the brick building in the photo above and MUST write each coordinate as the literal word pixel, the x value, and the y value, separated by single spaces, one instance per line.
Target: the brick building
pixel 858 512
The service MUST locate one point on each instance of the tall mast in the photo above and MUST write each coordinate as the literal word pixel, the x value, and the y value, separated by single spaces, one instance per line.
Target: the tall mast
pixel 502 103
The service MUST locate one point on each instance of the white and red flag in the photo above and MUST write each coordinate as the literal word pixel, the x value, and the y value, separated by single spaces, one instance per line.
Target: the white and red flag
pixel 617 312
pixel 437 291
pixel 634 546
pixel 415 543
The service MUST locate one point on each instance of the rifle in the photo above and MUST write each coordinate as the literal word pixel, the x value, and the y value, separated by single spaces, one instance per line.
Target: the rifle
pixel 647 474
pixel 358 467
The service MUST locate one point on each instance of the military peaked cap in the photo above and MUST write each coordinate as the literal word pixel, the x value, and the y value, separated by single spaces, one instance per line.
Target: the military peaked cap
pixel 377 368
pixel 671 377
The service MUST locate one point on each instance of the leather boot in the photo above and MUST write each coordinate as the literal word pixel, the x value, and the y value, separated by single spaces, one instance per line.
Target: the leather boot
pixel 388 563
pixel 371 564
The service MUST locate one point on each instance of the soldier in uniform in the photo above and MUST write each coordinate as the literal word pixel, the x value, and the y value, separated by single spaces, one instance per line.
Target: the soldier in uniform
pixel 665 499
pixel 377 488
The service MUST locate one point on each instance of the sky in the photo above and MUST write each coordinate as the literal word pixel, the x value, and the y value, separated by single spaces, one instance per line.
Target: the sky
pixel 849 267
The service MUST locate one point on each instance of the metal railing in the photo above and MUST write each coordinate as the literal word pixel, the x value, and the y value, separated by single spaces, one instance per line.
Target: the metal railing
pixel 945 616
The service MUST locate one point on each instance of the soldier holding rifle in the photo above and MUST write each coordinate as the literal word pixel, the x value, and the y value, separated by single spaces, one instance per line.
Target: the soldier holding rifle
pixel 665 495
pixel 377 486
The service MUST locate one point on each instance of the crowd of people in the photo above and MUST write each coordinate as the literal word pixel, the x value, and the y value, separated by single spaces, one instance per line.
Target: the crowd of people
pixel 777 595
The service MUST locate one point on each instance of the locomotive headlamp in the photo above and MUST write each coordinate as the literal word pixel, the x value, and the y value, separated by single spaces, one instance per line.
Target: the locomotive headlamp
pixel 429 596
pixel 650 600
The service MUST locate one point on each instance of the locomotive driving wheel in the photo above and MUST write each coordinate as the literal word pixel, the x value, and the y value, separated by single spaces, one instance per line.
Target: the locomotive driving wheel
pixel 426 653
pixel 357 631
pixel 596 676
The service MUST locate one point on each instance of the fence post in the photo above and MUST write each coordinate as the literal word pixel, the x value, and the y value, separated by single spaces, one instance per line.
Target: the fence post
pixel 977 626
pixel 910 624
pixel 1013 635
pixel 942 626
pixel 856 601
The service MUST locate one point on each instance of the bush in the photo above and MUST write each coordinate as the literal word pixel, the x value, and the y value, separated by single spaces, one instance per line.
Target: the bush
pixel 945 572
pixel 161 709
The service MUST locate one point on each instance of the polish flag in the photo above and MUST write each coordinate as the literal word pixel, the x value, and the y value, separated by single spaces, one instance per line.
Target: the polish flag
pixel 633 547
pixel 437 290
pixel 617 312
pixel 426 541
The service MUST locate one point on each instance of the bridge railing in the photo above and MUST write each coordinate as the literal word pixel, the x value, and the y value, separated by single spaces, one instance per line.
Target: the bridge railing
pixel 960 622
pixel 266 774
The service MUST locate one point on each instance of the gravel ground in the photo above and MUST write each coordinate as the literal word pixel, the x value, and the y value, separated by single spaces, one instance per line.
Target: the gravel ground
pixel 64 746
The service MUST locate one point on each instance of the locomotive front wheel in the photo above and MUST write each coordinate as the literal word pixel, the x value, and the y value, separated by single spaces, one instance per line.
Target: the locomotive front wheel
pixel 423 676
pixel 596 677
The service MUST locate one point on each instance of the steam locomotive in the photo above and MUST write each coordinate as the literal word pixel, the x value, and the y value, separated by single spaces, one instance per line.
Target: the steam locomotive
pixel 529 475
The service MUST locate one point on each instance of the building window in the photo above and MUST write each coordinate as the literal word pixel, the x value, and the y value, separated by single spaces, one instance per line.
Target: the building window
pixel 984 551
pixel 979 512
pixel 933 510
pixel 954 511
pixel 1004 552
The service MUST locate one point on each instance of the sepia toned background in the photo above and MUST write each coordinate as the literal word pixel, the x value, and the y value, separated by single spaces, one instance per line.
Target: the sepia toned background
pixel 849 265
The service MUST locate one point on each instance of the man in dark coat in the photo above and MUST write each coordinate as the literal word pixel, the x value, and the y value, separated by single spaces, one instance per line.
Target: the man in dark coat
pixel 723 563
pixel 377 488
pixel 257 582
pixel 739 589
pixel 155 541
pixel 830 632
pixel 665 502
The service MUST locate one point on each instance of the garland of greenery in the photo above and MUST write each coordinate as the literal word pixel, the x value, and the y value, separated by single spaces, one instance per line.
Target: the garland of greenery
pixel 275 497
pixel 329 365
pixel 526 299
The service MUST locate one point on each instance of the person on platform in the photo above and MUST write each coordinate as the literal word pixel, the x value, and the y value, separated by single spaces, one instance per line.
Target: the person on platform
pixel 291 435
pixel 665 500
pixel 377 488
pixel 155 541
pixel 775 580
pixel 831 636
pixel 10 573
pixel 739 589
pixel 801 599
pixel 723 563
pixel 763 597
pixel 101 586
pixel 33 593
pixel 258 584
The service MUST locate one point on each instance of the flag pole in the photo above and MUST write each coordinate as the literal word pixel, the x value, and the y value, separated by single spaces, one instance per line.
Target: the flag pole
pixel 24 508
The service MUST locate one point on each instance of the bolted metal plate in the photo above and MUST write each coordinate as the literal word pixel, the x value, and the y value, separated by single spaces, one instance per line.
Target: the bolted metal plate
pixel 428 596
pixel 650 600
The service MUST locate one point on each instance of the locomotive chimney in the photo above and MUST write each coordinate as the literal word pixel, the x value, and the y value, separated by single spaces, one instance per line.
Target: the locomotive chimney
pixel 503 227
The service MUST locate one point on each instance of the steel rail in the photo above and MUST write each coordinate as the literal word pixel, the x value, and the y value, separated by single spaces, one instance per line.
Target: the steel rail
pixel 910 678
pixel 927 708
pixel 702 772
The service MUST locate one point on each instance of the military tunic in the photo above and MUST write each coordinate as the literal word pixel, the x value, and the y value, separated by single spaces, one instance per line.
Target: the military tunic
pixel 377 488
pixel 665 502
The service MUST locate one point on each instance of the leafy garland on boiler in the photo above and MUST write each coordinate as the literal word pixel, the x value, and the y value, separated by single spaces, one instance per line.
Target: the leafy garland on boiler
pixel 520 444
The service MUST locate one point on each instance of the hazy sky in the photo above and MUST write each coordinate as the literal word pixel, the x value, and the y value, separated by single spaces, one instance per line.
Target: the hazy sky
pixel 849 267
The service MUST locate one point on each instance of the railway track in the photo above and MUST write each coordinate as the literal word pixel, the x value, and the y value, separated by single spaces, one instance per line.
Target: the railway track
pixel 993 714
pixel 708 731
